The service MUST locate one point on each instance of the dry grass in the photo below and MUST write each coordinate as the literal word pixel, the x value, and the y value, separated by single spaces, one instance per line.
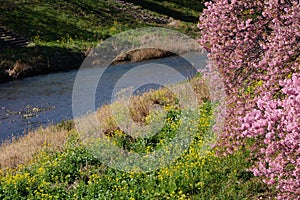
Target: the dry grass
pixel 22 150
pixel 141 55
pixel 146 54
pixel 141 106
pixel 18 69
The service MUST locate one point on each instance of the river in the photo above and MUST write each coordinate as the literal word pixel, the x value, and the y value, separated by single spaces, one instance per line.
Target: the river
pixel 42 100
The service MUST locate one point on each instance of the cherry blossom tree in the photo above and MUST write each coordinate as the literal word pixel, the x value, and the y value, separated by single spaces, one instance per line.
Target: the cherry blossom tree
pixel 255 44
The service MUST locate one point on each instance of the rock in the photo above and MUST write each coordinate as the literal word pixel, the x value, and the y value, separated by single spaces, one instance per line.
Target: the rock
pixel 27 116
pixel 36 109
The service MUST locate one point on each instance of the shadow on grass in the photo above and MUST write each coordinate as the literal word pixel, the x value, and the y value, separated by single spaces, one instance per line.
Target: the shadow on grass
pixel 156 6
pixel 31 21
pixel 55 19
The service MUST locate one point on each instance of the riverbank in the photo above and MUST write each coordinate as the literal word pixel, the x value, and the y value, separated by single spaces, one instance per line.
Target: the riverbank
pixel 43 61
pixel 57 165
pixel 62 33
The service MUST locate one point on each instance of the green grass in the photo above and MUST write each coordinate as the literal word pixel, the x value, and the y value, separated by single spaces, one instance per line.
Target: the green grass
pixel 59 22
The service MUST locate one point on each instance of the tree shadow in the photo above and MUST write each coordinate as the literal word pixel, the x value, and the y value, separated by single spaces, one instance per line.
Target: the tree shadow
pixel 51 21
pixel 196 5
pixel 45 24
pixel 156 7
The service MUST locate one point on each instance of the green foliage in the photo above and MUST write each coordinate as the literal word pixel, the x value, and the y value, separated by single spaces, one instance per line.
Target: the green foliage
pixel 66 125
pixel 75 173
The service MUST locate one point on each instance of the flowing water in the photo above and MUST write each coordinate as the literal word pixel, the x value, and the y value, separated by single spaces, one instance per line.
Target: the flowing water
pixel 42 100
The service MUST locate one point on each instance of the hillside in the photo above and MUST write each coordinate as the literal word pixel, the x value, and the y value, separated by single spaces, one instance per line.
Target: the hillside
pixel 61 33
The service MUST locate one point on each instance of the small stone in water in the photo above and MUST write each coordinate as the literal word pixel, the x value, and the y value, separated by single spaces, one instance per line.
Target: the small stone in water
pixel 36 110
pixel 26 116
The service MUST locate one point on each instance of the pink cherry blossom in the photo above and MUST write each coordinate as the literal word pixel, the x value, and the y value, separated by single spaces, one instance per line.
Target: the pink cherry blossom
pixel 253 42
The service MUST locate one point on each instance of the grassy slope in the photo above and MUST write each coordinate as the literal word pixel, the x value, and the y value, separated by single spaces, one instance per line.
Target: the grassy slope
pixel 56 22
pixel 61 167
pixel 87 21
pixel 63 31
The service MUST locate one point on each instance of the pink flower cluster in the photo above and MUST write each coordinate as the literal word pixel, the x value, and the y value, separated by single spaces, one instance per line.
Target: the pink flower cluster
pixel 253 42
pixel 277 123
